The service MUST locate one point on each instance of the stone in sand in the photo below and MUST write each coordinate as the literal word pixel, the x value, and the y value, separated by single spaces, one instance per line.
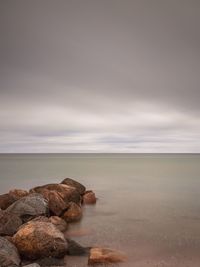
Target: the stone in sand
pixel 80 188
pixel 105 256
pixel 9 223
pixel 37 239
pixel 74 213
pixel 8 254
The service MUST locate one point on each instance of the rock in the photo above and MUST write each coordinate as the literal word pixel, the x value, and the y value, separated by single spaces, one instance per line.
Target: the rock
pixel 9 223
pixel 74 213
pixel 59 223
pixel 50 262
pixel 79 187
pixel 105 256
pixel 18 193
pixel 6 200
pixel 31 205
pixel 55 201
pixel 74 249
pixel 89 197
pixel 68 193
pixel 40 219
pixel 37 239
pixel 8 254
pixel 32 265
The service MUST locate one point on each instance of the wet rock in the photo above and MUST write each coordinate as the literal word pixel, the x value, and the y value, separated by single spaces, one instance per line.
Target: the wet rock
pixel 68 193
pixel 18 193
pixel 8 254
pixel 89 197
pixel 31 205
pixel 6 200
pixel 105 256
pixel 55 201
pixel 59 223
pixel 75 249
pixel 74 213
pixel 9 223
pixel 37 239
pixel 79 187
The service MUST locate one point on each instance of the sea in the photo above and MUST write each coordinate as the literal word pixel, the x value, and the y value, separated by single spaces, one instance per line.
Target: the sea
pixel 148 204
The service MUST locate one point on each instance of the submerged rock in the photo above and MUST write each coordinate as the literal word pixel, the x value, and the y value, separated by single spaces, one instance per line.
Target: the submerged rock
pixel 79 187
pixel 9 223
pixel 59 223
pixel 74 213
pixel 31 205
pixel 105 256
pixel 75 249
pixel 89 197
pixel 8 254
pixel 68 193
pixel 37 239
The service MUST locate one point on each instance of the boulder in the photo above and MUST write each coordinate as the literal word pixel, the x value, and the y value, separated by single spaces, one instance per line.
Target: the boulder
pixel 6 200
pixel 89 197
pixel 79 187
pixel 74 213
pixel 31 205
pixel 55 201
pixel 105 256
pixel 9 223
pixel 37 239
pixel 8 254
pixel 68 193
pixel 75 249
pixel 59 223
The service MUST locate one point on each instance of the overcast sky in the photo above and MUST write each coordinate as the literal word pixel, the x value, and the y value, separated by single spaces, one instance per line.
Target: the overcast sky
pixel 100 76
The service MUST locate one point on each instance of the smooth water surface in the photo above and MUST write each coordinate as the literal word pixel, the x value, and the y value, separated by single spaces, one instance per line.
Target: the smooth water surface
pixel 148 204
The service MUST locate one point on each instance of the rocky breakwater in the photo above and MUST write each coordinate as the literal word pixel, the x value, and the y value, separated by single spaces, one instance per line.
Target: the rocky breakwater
pixel 32 226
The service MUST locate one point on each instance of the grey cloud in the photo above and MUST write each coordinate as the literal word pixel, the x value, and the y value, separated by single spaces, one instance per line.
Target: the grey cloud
pixel 99 75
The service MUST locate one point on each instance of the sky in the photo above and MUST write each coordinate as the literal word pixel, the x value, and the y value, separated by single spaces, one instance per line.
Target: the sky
pixel 80 76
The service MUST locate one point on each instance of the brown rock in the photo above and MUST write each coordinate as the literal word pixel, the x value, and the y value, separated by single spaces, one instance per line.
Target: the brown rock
pixel 79 187
pixel 9 223
pixel 6 200
pixel 89 197
pixel 55 201
pixel 18 193
pixel 8 254
pixel 31 205
pixel 105 256
pixel 38 239
pixel 68 193
pixel 74 213
pixel 59 223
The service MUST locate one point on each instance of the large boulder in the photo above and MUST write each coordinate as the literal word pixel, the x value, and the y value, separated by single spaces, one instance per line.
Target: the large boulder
pixel 9 223
pixel 37 239
pixel 74 213
pixel 18 193
pixel 55 201
pixel 89 197
pixel 8 254
pixel 59 223
pixel 79 187
pixel 31 205
pixel 105 256
pixel 68 193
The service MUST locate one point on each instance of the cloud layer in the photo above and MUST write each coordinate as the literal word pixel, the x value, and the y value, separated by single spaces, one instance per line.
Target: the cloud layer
pixel 99 76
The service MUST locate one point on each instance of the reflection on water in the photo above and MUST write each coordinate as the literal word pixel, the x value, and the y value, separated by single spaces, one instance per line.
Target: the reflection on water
pixel 148 206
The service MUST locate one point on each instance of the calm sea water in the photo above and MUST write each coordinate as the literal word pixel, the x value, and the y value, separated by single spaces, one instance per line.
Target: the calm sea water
pixel 148 204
